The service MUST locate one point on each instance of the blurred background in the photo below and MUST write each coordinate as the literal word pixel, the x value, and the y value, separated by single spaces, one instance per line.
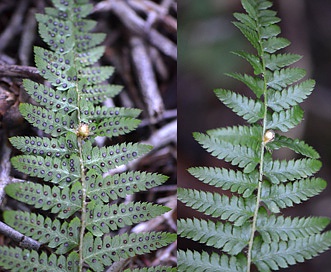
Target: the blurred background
pixel 206 36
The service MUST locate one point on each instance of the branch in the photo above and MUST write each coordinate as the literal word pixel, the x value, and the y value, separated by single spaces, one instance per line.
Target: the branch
pixel 19 71
pixel 138 26
pixel 147 79
pixel 24 241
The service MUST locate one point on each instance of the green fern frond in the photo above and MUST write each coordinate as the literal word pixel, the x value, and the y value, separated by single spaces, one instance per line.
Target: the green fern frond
pixel 48 121
pixel 203 262
pixel 64 171
pixel 16 259
pixel 274 44
pixel 281 196
pixel 47 97
pixel 285 120
pixel 280 228
pixel 105 158
pixel 245 135
pixel 84 229
pixel 252 59
pixel 243 156
pixel 120 185
pixel 281 171
pixel 235 181
pixel 300 147
pixel 278 80
pixel 278 61
pixel 234 209
pixel 253 236
pixel 275 255
pixel 255 84
pixel 59 148
pixel 249 109
pixel 65 202
pixel 104 218
pixel 103 252
pixel 64 237
pixel 290 97
pixel 230 239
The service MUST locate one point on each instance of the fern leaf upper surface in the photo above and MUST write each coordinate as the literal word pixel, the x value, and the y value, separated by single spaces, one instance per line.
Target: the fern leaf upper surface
pixel 254 234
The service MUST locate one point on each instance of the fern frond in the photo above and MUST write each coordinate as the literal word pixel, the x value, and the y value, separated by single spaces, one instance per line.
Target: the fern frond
pixel 275 255
pixel 16 259
pixel 98 93
pixel 249 33
pixel 229 238
pixel 42 146
pixel 285 120
pixel 243 156
pixel 100 252
pixel 253 60
pixel 120 185
pixel 274 44
pixel 203 262
pixel 278 61
pixel 235 181
pixel 252 236
pixel 64 171
pixel 115 126
pixel 51 123
pixel 90 113
pixel 104 218
pixel 281 79
pixel 105 158
pixel 281 171
pixel 244 134
pixel 52 100
pixel 280 196
pixel 234 209
pixel 95 75
pixel 274 229
pixel 255 84
pixel 249 109
pixel 48 62
pixel 65 202
pixel 64 236
pixel 300 147
pixel 279 100
pixel 83 231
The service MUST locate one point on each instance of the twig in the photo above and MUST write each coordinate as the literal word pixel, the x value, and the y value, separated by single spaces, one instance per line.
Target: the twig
pixel 163 136
pixel 24 241
pixel 138 26
pixel 160 66
pixel 146 77
pixel 4 167
pixel 155 12
pixel 165 254
pixel 15 24
pixel 19 71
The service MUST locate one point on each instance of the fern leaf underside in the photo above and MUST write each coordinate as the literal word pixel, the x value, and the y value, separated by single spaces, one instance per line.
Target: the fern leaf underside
pixel 77 188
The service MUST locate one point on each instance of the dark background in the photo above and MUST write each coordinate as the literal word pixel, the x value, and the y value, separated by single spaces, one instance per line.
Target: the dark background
pixel 206 37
